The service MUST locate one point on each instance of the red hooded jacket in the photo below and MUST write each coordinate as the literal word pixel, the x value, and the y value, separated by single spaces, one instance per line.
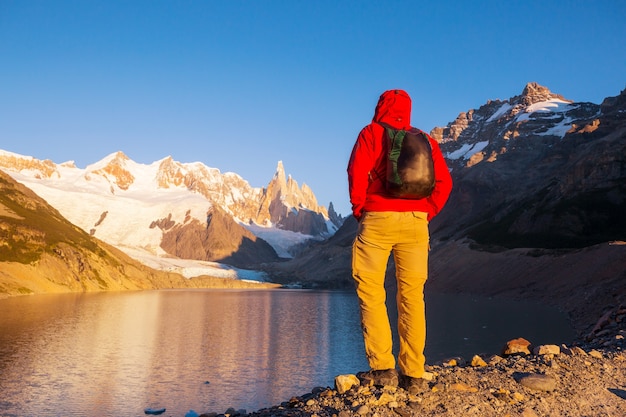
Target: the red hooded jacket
pixel 367 189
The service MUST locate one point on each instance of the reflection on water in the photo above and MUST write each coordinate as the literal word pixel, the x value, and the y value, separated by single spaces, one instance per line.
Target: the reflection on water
pixel 115 354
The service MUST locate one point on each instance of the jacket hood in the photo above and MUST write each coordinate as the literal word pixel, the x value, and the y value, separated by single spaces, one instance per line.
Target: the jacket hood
pixel 394 109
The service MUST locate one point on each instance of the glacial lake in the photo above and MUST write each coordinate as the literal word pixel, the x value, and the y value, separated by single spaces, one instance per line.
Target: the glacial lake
pixel 116 354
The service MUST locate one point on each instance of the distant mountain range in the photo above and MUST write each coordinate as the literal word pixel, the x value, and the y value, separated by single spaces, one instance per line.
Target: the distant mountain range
pixel 183 209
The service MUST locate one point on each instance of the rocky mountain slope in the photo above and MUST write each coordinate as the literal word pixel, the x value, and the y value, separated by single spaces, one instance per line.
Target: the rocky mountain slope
pixel 539 193
pixel 219 239
pixel 537 171
pixel 42 252
pixel 187 210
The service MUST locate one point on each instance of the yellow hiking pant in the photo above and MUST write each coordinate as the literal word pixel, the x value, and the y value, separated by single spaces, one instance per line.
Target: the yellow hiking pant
pixel 406 235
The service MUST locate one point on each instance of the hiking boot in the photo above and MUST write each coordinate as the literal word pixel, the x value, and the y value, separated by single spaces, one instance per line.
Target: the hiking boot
pixel 380 377
pixel 413 385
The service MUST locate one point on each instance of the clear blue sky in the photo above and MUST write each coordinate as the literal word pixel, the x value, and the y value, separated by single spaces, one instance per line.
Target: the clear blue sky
pixel 240 85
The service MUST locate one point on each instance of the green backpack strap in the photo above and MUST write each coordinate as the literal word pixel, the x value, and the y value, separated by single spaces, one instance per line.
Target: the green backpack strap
pixel 395 146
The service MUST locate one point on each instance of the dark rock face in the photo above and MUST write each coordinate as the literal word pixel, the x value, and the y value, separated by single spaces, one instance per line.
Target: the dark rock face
pixel 300 220
pixel 221 239
pixel 530 187
pixel 333 216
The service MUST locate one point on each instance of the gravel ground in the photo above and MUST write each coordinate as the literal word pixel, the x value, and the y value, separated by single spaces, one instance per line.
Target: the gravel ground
pixel 585 379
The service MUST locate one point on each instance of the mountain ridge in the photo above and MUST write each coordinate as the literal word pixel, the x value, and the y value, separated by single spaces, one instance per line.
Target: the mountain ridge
pixel 122 202
pixel 546 175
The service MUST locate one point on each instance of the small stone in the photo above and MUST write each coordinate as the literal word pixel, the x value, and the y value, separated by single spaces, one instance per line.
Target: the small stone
pixel 595 354
pixel 576 350
pixel 538 382
pixel 362 410
pixel 318 390
pixel 344 383
pixel 384 399
pixel 547 350
pixel 450 363
pixel 478 361
pixel 310 402
pixel 495 359
pixel 505 396
pixel 528 412
pixel 460 386
pixel 428 376
pixel 404 412
pixel 516 346
pixel 327 393
pixel 154 411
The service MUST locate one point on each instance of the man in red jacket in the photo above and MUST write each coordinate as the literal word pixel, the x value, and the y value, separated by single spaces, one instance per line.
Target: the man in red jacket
pixel 386 225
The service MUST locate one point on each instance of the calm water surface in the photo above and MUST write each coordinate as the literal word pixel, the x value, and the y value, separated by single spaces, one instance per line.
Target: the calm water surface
pixel 115 354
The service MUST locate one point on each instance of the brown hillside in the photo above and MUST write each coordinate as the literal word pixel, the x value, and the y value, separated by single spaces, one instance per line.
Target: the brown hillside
pixel 41 252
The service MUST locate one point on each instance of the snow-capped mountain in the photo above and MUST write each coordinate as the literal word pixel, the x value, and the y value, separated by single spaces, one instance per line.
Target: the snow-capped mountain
pixel 183 209
pixel 491 130
pixel 42 252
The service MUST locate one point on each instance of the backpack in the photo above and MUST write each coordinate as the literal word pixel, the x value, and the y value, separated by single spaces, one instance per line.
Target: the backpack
pixel 410 167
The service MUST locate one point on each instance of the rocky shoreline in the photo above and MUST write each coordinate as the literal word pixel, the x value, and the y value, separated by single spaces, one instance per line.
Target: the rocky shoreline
pixel 585 379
